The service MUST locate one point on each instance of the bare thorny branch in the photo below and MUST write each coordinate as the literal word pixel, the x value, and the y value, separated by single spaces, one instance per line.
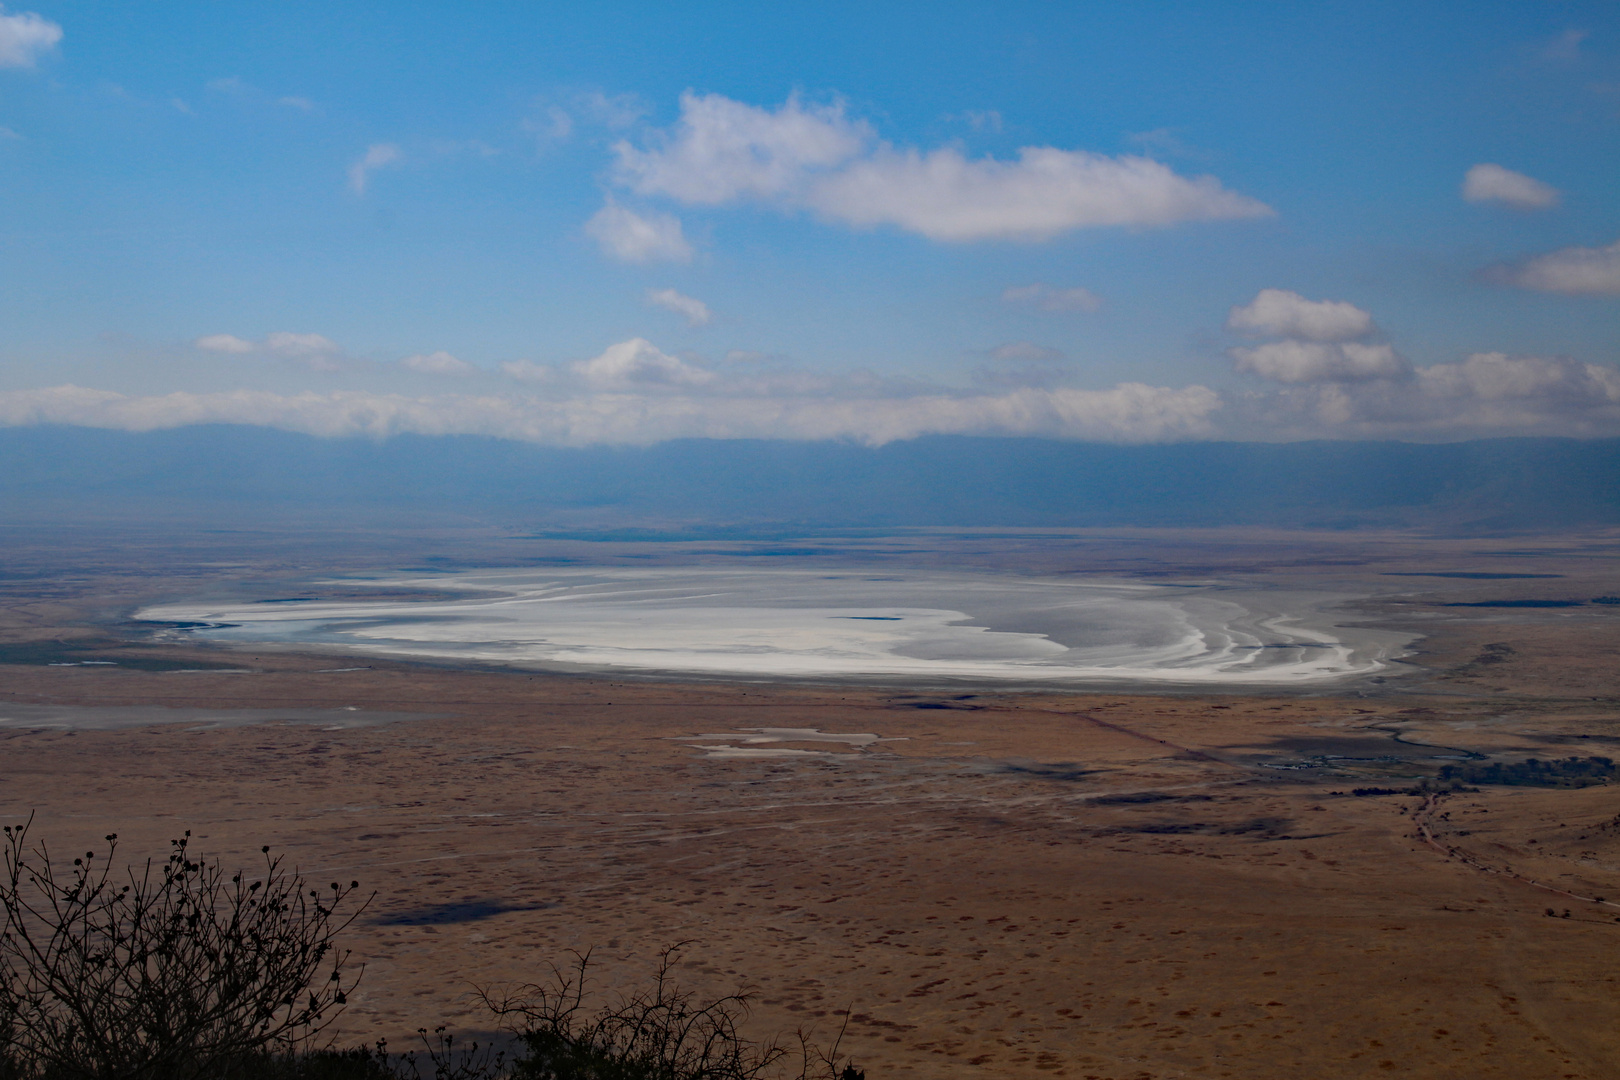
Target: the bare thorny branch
pixel 167 973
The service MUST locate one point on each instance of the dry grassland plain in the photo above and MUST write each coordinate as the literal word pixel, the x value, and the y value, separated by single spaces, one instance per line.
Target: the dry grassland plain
pixel 1121 884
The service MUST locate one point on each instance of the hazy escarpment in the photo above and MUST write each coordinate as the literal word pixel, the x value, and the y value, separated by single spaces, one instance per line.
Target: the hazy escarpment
pixel 1497 484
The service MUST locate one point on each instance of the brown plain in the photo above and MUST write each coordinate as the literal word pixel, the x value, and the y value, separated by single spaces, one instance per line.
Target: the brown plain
pixel 1116 884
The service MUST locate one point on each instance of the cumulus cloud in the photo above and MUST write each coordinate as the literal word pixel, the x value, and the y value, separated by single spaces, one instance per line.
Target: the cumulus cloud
pixel 944 195
pixel 285 343
pixel 528 371
pixel 1486 183
pixel 1315 361
pixel 1486 394
pixel 225 343
pixel 695 311
pixel 631 237
pixel 1017 351
pixel 377 156
pixel 311 350
pixel 1334 387
pixel 1288 314
pixel 24 37
pixel 438 363
pixel 721 149
pixel 638 362
pixel 1046 298
pixel 816 156
pixel 1573 270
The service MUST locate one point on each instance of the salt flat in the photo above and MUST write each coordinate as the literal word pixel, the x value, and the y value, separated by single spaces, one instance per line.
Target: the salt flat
pixel 927 625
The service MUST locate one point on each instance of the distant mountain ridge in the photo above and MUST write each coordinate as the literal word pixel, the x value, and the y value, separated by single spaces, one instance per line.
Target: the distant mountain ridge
pixel 55 472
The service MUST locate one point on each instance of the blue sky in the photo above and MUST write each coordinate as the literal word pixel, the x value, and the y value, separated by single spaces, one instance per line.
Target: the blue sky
pixel 598 223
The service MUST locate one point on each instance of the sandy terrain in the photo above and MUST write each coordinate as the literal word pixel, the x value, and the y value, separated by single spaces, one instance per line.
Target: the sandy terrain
pixel 1115 885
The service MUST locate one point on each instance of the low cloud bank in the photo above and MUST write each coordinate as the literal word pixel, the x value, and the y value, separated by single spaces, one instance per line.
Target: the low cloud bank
pixel 1131 412
pixel 1340 381
pixel 633 394
pixel 1323 371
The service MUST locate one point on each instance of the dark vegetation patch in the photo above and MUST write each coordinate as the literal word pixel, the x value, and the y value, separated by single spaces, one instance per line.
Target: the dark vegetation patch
pixel 1261 827
pixel 1364 792
pixel 1572 772
pixel 1133 798
pixel 1056 770
pixel 1517 603
pixel 46 653
pixel 445 914
pixel 1468 574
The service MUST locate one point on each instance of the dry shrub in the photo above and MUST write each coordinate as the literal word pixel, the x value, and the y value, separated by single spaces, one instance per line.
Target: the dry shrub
pixel 174 972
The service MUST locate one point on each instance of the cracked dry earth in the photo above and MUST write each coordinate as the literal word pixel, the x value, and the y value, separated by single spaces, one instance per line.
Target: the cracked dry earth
pixel 1011 885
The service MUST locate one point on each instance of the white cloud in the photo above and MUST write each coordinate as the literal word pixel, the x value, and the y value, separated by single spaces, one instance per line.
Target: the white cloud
pixel 1024 351
pixel 1485 395
pixel 24 37
pixel 1046 298
pixel 438 363
pixel 633 393
pixel 695 311
pixel 1338 388
pixel 983 120
pixel 283 343
pixel 312 350
pixel 1166 142
pixel 1131 412
pixel 638 362
pixel 720 150
pixel 8 134
pixel 553 125
pixel 1314 361
pixel 1573 270
pixel 1495 376
pixel 630 237
pixel 945 196
pixel 377 156
pixel 1288 314
pixel 615 111
pixel 1491 183
pixel 1566 46
pixel 225 343
pixel 302 104
pixel 528 371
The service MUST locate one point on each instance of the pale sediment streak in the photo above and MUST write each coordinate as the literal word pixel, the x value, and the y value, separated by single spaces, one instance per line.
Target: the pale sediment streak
pixel 916 625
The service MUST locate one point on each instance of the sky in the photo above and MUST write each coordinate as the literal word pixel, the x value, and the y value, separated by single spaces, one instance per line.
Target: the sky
pixel 625 223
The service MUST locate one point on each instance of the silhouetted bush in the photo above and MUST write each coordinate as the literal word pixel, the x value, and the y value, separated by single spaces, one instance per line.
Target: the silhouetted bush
pixel 182 972
pixel 175 972
pixel 658 1033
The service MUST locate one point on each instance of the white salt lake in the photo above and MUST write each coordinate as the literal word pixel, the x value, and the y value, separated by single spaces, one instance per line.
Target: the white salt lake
pixel 924 626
